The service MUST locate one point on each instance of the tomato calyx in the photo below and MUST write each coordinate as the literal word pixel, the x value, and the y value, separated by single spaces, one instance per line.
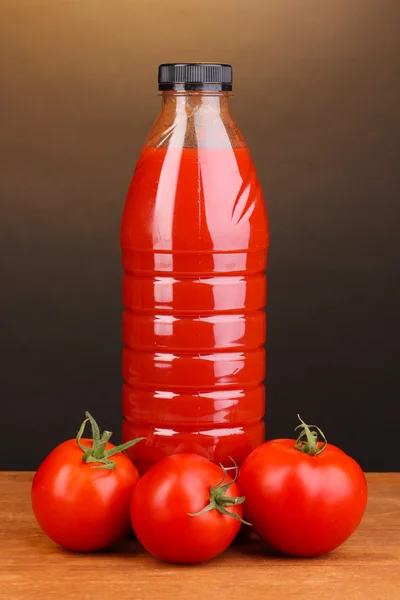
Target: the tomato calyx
pixel 97 453
pixel 219 501
pixel 307 441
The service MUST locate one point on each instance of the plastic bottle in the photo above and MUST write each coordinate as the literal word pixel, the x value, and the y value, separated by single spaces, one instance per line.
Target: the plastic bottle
pixel 194 248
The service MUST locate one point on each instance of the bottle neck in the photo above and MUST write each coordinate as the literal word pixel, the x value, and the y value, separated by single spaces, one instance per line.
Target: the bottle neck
pixel 195 120
pixel 196 102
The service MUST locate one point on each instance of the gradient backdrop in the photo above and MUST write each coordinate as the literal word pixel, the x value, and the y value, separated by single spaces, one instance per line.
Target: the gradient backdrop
pixel 317 97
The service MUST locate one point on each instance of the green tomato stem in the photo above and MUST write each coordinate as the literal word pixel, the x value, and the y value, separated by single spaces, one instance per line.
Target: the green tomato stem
pixel 97 453
pixel 310 444
pixel 218 501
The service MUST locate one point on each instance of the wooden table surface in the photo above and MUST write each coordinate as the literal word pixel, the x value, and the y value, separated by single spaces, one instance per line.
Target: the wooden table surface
pixel 367 567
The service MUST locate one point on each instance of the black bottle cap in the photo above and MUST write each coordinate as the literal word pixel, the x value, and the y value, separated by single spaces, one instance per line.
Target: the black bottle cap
pixel 195 76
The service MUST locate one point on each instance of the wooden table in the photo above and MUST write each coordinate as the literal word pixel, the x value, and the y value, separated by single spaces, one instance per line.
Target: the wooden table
pixel 367 567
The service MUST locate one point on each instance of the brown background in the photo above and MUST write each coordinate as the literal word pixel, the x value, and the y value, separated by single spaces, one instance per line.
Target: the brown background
pixel 317 97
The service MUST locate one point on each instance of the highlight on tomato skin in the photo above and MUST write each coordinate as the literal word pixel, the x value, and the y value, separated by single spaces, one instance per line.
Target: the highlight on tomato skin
pixel 304 497
pixel 81 492
pixel 186 509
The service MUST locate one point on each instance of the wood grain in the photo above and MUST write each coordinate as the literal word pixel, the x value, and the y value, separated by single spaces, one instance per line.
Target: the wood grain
pixel 367 567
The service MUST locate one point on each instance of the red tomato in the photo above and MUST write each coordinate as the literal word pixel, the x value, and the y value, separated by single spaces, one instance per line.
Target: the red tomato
pixel 80 497
pixel 304 498
pixel 186 509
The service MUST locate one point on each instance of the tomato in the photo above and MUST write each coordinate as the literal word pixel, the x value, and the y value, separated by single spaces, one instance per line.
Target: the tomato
pixel 304 497
pixel 82 491
pixel 186 509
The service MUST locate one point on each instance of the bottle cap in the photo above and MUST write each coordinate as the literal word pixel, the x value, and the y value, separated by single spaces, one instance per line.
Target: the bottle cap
pixel 195 76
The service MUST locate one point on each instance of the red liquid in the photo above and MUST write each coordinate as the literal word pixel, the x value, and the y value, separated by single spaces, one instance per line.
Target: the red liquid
pixel 194 247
